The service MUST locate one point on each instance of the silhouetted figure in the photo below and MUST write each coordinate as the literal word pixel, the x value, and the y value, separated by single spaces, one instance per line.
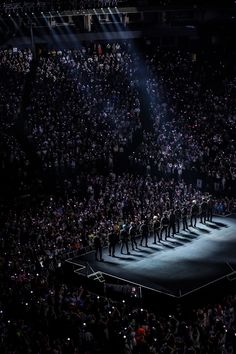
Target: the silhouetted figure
pixel 98 248
pixel 171 223
pixel 156 228
pixel 177 218
pixel 193 214
pixel 203 215
pixel 184 213
pixel 165 225
pixel 144 233
pixel 112 240
pixel 124 237
pixel 132 235
pixel 209 209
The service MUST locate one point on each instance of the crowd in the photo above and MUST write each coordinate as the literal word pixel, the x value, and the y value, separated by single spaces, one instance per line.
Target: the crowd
pixel 13 69
pixel 91 109
pixel 83 112
pixel 193 113
pixel 42 313
pixel 92 113
pixel 14 164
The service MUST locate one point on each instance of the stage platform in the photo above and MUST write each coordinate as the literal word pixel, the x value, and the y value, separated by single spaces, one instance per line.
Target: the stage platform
pixel 179 266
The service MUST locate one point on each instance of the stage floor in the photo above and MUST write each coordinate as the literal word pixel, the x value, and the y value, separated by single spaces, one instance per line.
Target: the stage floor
pixel 178 266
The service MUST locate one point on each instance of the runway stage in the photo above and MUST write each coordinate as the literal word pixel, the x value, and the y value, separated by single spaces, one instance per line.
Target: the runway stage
pixel 176 267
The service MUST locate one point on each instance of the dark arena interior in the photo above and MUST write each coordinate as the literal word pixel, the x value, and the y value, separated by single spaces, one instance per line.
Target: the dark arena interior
pixel 118 177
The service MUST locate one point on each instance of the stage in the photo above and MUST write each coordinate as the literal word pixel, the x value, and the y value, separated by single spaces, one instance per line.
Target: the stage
pixel 177 267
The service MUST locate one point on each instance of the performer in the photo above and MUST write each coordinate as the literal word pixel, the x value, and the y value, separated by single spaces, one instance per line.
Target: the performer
pixel 164 225
pixel 98 248
pixel 177 218
pixel 132 235
pixel 193 214
pixel 112 240
pixel 171 223
pixel 200 212
pixel 144 232
pixel 203 211
pixel 156 228
pixel 124 239
pixel 184 213
pixel 209 209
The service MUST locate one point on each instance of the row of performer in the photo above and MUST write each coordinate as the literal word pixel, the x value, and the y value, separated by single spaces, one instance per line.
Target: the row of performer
pixel 159 227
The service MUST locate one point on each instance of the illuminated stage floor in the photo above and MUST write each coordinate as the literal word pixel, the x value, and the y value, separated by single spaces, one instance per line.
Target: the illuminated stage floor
pixel 178 266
